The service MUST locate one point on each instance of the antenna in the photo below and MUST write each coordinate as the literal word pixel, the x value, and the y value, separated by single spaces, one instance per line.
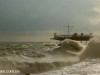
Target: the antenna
pixel 68 28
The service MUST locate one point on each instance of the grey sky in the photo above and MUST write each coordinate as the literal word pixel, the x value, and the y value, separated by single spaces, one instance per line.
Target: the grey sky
pixel 37 20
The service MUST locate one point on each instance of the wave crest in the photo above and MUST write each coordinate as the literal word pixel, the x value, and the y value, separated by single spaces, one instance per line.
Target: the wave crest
pixel 92 50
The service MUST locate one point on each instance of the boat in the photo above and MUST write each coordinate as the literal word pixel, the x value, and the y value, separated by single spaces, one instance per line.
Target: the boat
pixel 75 36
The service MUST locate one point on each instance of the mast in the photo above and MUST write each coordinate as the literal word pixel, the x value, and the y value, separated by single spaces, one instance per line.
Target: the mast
pixel 68 29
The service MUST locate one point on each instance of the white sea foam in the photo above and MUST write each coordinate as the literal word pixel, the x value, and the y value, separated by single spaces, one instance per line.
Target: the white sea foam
pixel 90 67
pixel 46 57
pixel 29 65
pixel 27 60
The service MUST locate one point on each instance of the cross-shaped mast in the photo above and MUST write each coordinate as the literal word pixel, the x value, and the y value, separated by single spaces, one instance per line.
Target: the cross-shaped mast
pixel 68 28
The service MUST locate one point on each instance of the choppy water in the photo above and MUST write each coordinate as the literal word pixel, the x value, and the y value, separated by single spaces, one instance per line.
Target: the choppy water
pixel 40 58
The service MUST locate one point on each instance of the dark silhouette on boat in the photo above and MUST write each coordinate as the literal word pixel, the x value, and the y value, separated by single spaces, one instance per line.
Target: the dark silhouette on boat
pixel 78 37
pixel 75 36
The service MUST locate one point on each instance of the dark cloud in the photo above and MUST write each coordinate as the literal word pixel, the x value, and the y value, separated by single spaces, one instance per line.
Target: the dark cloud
pixel 39 17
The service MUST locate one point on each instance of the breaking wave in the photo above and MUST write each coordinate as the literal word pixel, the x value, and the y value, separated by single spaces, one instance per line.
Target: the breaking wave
pixel 85 67
pixel 92 50
pixel 42 57
pixel 69 47
pixel 31 67
pixel 38 50
pixel 37 58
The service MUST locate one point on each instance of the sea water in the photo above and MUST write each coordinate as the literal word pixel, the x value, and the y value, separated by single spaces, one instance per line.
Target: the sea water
pixel 47 58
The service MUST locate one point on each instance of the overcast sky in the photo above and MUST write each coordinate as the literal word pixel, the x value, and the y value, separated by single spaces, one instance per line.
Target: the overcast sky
pixel 38 20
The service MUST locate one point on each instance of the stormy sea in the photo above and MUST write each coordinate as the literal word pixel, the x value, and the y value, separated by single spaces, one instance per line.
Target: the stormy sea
pixel 49 58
